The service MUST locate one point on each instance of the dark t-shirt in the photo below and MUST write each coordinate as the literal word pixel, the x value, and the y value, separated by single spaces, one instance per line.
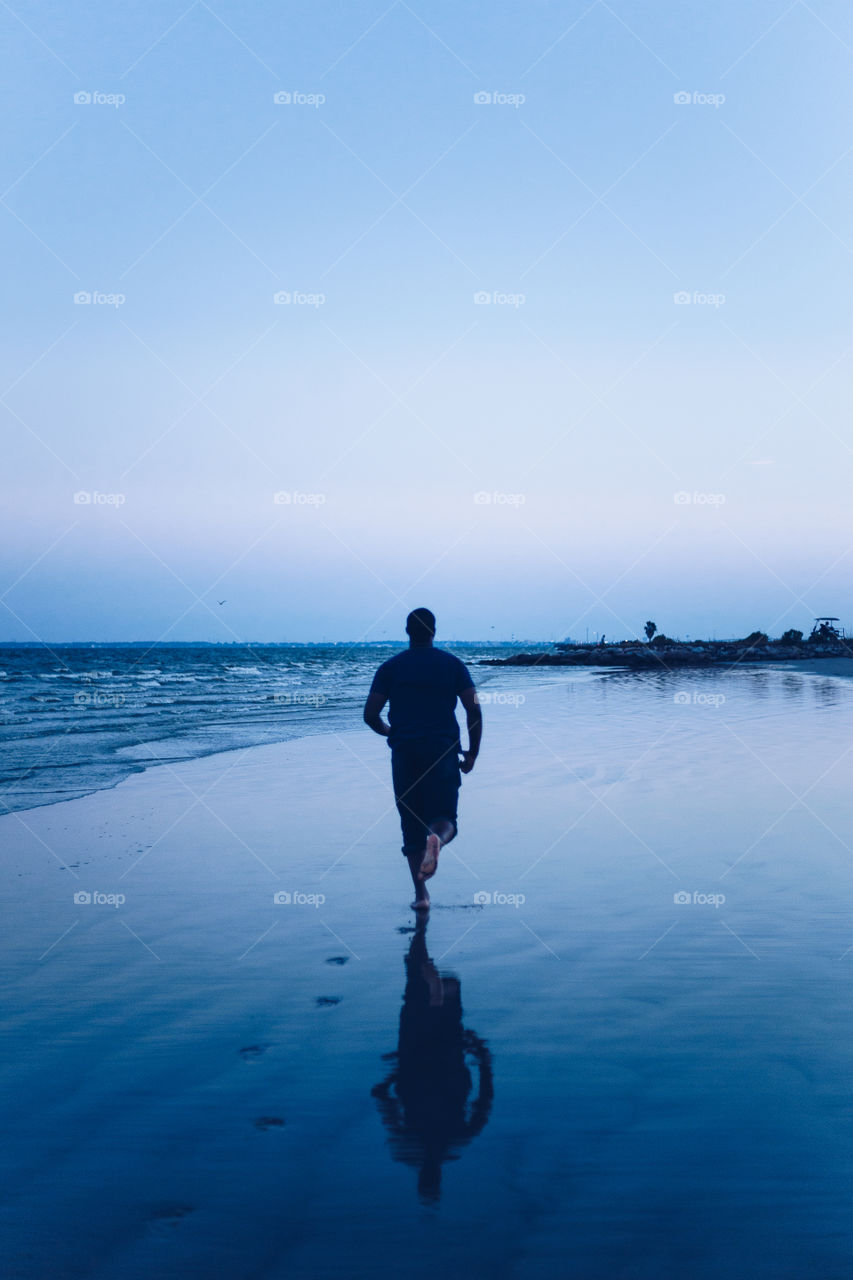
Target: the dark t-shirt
pixel 422 685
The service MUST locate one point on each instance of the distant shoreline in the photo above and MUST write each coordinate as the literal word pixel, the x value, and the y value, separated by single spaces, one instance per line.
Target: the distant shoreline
pixel 671 655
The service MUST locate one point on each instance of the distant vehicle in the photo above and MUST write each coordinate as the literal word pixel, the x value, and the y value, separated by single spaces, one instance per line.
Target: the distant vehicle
pixel 824 629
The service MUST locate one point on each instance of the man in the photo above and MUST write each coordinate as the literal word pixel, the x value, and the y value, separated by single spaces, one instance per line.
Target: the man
pixel 422 684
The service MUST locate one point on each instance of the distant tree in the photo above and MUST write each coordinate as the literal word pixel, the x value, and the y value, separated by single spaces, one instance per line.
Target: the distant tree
pixel 660 641
pixel 650 628
pixel 791 636
pixel 756 637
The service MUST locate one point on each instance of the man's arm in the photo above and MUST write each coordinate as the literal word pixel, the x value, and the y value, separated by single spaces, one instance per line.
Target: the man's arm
pixel 471 703
pixel 373 713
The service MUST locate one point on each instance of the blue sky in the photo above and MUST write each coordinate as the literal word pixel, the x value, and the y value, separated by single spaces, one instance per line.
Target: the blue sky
pixel 479 390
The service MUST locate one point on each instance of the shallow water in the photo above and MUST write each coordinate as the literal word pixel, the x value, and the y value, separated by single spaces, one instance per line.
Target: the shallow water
pixel 78 718
pixel 578 1075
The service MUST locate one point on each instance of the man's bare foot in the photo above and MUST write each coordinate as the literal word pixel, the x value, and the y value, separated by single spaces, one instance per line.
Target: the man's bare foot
pixel 430 859
pixel 421 904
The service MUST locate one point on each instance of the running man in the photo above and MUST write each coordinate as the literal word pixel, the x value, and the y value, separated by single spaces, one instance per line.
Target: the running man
pixel 422 684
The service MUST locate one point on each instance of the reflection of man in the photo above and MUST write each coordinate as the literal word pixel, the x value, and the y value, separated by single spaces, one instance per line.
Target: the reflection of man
pixel 422 684
pixel 423 1102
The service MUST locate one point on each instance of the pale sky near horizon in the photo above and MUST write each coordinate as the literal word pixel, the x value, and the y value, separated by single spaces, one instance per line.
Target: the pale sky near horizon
pixel 482 388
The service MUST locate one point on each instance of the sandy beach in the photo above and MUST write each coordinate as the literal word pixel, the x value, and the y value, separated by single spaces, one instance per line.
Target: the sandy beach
pixel 195 1072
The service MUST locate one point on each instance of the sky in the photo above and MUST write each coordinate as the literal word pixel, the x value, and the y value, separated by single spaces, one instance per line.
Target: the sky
pixel 533 313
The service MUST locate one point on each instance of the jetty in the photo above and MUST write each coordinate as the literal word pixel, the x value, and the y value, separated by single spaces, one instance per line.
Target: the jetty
pixel 826 640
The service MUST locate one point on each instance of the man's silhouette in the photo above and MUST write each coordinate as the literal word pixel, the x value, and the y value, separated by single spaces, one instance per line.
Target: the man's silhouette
pixel 422 684
pixel 424 1101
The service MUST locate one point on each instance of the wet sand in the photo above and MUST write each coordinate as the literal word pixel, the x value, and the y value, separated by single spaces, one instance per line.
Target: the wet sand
pixel 201 1081
pixel 823 667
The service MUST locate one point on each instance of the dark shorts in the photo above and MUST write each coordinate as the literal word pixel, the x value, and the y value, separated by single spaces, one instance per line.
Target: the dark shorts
pixel 426 781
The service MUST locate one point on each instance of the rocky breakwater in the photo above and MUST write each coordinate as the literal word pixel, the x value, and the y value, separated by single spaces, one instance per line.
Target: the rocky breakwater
pixel 665 654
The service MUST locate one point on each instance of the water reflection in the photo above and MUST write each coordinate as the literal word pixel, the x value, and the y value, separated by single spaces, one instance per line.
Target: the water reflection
pixel 828 693
pixel 792 686
pixel 424 1101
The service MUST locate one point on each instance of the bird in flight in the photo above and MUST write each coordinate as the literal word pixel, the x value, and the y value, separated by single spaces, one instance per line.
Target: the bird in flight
pixel 221 601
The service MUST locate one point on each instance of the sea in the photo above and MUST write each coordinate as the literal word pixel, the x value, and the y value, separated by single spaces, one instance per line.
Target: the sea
pixel 80 718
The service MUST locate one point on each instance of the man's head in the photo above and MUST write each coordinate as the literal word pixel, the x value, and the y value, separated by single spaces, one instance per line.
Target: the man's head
pixel 420 626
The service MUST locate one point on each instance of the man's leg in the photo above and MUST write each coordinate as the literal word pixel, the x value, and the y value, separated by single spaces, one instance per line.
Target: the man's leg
pixel 406 772
pixel 421 900
pixel 440 833
pixel 441 783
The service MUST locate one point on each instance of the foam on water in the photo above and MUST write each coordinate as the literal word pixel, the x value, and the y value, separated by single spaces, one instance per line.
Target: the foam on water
pixel 75 719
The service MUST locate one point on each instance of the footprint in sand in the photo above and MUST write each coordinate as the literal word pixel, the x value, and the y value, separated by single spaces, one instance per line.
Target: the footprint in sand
pixel 269 1122
pixel 337 959
pixel 253 1051
pixel 323 1001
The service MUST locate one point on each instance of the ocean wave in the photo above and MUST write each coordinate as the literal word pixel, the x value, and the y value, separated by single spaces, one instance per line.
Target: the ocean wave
pixel 201 700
